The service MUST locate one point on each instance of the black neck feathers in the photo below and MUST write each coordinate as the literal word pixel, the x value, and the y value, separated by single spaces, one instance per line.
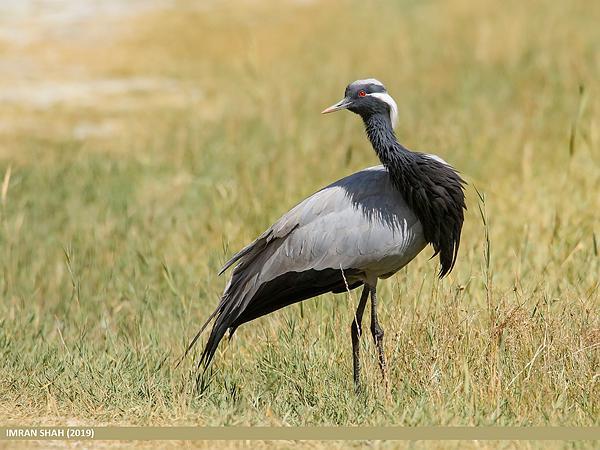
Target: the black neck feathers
pixel 432 189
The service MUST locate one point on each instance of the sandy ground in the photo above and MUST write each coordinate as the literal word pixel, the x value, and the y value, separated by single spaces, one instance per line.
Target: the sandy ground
pixel 26 22
pixel 33 33
pixel 49 59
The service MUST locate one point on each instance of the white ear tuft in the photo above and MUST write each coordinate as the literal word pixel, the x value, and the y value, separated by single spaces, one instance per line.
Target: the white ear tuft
pixel 384 97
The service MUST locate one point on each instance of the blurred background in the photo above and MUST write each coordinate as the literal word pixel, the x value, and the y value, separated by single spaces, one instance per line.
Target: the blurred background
pixel 143 142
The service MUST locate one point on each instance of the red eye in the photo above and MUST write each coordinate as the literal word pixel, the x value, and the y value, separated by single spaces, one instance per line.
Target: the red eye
pixel 361 93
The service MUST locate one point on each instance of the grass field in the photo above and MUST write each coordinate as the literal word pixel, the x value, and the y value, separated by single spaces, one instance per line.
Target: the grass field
pixel 137 153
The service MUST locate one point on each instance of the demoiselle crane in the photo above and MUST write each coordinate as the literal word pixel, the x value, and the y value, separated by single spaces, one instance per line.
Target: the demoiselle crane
pixel 351 233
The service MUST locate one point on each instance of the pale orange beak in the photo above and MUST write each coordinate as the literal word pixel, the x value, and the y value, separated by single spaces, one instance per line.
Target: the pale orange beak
pixel 342 104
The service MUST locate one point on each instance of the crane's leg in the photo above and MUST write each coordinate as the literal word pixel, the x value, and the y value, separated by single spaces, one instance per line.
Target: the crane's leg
pixel 356 332
pixel 377 332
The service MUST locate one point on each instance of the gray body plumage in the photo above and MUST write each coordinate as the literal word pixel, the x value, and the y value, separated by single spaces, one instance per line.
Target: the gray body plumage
pixel 359 223
pixel 349 233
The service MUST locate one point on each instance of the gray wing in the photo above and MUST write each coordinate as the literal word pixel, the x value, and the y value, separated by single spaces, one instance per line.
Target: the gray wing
pixel 354 229
pixel 358 222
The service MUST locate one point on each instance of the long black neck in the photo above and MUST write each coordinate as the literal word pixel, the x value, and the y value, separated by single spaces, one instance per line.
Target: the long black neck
pixel 432 189
pixel 391 153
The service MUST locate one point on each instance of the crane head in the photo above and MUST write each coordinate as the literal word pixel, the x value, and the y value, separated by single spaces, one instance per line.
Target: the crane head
pixel 366 98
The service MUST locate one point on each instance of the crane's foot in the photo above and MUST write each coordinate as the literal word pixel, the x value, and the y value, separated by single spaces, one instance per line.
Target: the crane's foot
pixel 378 336
pixel 377 333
